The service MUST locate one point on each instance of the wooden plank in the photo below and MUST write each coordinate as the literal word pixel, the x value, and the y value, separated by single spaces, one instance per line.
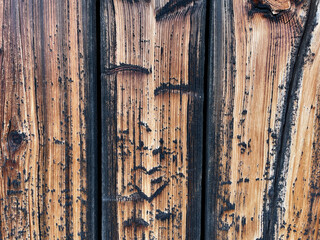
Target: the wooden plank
pixel 47 86
pixel 251 63
pixel 152 55
pixel 297 210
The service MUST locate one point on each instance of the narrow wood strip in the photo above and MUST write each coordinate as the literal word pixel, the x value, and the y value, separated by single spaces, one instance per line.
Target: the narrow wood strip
pixel 255 44
pixel 46 85
pixel 296 212
pixel 153 54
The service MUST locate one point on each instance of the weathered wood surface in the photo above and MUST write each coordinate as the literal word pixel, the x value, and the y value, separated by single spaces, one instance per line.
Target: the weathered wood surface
pixel 298 207
pixel 262 172
pixel 152 68
pixel 46 81
pixel 260 123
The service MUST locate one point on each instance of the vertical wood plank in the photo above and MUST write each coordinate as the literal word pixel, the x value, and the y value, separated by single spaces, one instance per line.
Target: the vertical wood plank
pixel 47 81
pixel 296 214
pixel 152 101
pixel 251 62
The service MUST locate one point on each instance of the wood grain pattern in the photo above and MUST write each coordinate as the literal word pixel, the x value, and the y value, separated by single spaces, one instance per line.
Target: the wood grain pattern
pixel 260 117
pixel 297 212
pixel 254 48
pixel 45 83
pixel 152 78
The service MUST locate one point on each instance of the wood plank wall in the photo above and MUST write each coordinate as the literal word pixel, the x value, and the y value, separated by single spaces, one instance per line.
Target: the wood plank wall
pixel 160 119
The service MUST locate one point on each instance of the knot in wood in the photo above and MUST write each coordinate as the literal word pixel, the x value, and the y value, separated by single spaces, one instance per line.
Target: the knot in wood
pixel 275 6
pixel 14 140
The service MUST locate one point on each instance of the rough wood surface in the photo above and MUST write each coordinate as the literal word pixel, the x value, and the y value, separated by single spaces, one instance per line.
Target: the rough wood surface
pixel 152 103
pixel 255 46
pixel 261 121
pixel 45 83
pixel 298 208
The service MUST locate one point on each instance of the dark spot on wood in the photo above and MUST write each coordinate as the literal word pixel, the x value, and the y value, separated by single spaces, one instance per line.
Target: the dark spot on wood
pixel 154 195
pixel 138 222
pixel 141 144
pixel 148 172
pixel 157 180
pixel 15 183
pixel 15 140
pixel 237 227
pixel 225 227
pixel 168 87
pixel 125 131
pixel 240 180
pixel 181 175
pixel 156 151
pixel 56 141
pixel 13 192
pixel 174 158
pixel 242 144
pixel 226 183
pixel 243 221
pixel 123 67
pixel 145 125
pixel 163 216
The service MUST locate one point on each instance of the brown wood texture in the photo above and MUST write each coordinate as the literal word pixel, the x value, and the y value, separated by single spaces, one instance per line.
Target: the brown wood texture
pixel 262 169
pixel 299 186
pixel 44 91
pixel 133 141
pixel 152 101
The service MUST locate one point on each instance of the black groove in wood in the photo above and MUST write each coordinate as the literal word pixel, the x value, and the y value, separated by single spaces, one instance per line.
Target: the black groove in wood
pixel 288 122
